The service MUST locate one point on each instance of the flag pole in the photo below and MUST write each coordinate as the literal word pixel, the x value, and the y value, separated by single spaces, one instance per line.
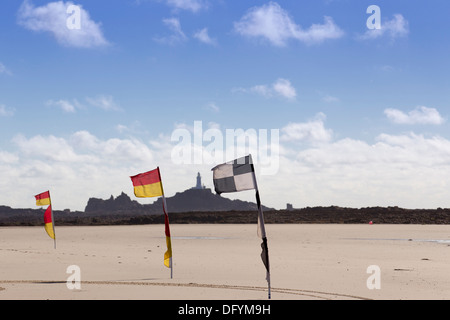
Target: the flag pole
pixel 166 224
pixel 53 221
pixel 166 218
pixel 262 232
pixel 54 233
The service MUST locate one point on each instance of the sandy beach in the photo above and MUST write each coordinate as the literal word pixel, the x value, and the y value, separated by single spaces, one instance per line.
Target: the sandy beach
pixel 222 262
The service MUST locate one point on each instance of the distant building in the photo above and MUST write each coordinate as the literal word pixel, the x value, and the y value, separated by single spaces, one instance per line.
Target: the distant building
pixel 289 207
pixel 199 182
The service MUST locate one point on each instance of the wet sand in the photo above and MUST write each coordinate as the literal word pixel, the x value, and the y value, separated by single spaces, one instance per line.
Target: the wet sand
pixel 222 262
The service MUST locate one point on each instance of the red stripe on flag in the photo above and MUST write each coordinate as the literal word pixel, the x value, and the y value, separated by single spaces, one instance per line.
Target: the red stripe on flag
pixel 166 222
pixel 147 178
pixel 48 215
pixel 43 195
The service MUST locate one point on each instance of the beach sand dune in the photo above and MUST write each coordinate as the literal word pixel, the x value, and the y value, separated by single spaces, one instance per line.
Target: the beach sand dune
pixel 213 262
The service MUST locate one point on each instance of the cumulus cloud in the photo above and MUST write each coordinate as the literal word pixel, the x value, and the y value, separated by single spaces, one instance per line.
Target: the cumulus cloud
pixel 284 88
pixel 64 105
pixel 420 115
pixel 177 5
pixel 203 36
pixel 281 88
pixel 4 70
pixel 80 164
pixel 313 131
pixel 8 158
pixel 177 35
pixel 52 18
pixel 397 27
pixel 104 102
pixel 48 148
pixel 213 107
pixel 330 99
pixel 274 24
pixel 190 5
pixel 410 170
pixel 6 112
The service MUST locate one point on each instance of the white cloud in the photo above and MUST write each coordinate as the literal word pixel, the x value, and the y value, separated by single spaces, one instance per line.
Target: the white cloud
pixel 284 88
pixel 64 105
pixel 8 158
pixel 50 148
pixel 203 36
pixel 104 102
pixel 313 131
pixel 281 88
pixel 74 168
pixel 420 115
pixel 6 112
pixel 397 27
pixel 4 70
pixel 177 35
pixel 116 150
pixel 122 128
pixel 273 23
pixel 52 18
pixel 190 5
pixel 408 170
pixel 330 99
pixel 262 90
pixel 213 107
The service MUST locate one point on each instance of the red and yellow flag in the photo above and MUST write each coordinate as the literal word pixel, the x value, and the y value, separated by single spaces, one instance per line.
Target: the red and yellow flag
pixel 148 185
pixel 49 222
pixel 43 199
pixel 168 254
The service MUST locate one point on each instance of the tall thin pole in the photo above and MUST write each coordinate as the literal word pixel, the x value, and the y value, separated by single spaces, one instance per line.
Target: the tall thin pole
pixel 167 227
pixel 166 223
pixel 53 220
pixel 265 249
pixel 262 233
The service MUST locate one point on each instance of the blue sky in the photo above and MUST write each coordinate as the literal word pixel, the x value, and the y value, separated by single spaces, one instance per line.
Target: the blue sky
pixel 362 114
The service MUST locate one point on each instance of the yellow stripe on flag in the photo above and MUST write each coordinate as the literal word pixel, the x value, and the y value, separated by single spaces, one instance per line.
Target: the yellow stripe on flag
pixel 49 228
pixel 149 190
pixel 168 254
pixel 43 202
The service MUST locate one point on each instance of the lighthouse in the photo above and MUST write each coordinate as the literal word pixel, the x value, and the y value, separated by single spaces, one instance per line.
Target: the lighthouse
pixel 199 182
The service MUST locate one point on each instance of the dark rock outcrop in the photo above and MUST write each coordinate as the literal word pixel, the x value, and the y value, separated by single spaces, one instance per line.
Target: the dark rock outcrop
pixel 122 203
pixel 192 200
